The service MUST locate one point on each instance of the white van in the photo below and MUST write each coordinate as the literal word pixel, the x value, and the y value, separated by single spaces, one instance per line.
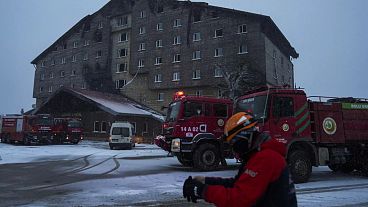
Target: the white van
pixel 121 135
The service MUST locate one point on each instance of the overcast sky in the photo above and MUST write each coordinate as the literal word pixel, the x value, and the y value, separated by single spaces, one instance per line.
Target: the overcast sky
pixel 330 36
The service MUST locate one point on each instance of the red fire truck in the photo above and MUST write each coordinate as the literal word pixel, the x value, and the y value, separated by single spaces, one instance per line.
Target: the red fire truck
pixel 67 129
pixel 192 129
pixel 27 129
pixel 316 130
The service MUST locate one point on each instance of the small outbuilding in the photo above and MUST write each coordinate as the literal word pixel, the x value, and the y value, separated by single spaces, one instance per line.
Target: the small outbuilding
pixel 99 110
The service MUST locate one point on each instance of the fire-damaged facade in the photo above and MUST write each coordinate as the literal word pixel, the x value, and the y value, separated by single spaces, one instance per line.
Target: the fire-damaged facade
pixel 148 49
pixel 99 110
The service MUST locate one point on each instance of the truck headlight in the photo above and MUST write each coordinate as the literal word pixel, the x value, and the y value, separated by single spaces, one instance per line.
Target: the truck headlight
pixel 175 145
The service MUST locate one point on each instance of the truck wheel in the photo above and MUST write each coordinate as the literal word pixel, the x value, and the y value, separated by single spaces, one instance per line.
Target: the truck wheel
pixel 334 167
pixel 111 147
pixel 184 162
pixel 347 167
pixel 206 157
pixel 300 166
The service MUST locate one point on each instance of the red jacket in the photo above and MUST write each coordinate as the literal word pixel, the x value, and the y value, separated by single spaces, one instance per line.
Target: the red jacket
pixel 262 169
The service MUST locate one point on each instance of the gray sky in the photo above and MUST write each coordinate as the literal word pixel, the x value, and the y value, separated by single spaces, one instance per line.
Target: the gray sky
pixel 330 36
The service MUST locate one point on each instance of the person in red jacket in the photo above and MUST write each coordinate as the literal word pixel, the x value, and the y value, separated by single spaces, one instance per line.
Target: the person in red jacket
pixel 263 178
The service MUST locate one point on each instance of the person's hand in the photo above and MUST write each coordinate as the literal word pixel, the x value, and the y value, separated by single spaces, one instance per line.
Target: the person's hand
pixel 192 189
pixel 200 179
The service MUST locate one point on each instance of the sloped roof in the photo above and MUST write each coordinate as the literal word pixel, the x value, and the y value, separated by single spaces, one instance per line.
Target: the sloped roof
pixel 111 103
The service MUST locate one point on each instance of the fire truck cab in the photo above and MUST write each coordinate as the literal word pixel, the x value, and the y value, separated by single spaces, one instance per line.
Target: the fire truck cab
pixel 68 129
pixel 192 130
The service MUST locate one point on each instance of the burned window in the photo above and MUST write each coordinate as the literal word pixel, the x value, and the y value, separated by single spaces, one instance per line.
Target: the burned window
pixel 197 16
pixel 283 107
pixel 192 109
pixel 160 8
pixel 220 110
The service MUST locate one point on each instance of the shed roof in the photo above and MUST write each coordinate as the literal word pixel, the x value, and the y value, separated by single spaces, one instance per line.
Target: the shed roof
pixel 114 104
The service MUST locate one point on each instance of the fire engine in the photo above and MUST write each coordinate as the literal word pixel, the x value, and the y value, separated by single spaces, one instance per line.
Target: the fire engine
pixel 27 129
pixel 317 131
pixel 192 129
pixel 67 129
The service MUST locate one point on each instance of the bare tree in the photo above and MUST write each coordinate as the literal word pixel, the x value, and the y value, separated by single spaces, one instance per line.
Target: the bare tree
pixel 239 80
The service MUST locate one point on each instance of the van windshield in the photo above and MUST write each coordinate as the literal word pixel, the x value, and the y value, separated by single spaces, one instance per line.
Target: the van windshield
pixel 173 111
pixel 124 131
pixel 74 124
pixel 254 105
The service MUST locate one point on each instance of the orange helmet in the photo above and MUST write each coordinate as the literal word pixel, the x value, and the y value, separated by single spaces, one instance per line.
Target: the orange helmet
pixel 238 122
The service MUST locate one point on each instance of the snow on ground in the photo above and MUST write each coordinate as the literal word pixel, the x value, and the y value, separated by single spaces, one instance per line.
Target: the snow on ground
pixel 154 177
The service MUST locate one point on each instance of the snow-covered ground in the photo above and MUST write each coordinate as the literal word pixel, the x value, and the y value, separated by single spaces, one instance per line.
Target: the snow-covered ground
pixel 147 176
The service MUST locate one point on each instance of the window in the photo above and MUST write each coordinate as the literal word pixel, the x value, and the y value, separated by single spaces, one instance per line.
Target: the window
pixel 86 42
pixel 158 43
pixel 242 28
pixel 142 46
pixel 145 127
pixel 42 76
pixel 142 30
pixel 85 57
pixel 123 37
pixel 98 54
pixel 42 63
pixel 97 126
pixel 50 89
pixel 196 36
pixel 141 63
pixel 282 61
pixel 142 14
pixel 160 96
pixel 74 72
pixel 214 14
pixel 177 22
pixel 41 89
pixel 122 52
pixel 243 49
pixel 218 33
pixel 51 75
pixel 176 58
pixel 74 58
pixel 122 21
pixel 120 84
pixel 121 67
pixel 158 61
pixel 219 52
pixel 219 93
pixel 176 76
pixel 84 85
pixel 199 93
pixel 283 107
pixel 62 73
pixel 218 72
pixel 100 25
pixel 197 55
pixel 63 60
pixel 72 85
pixel 53 62
pixel 177 40
pixel 197 16
pixel 75 44
pixel 274 54
pixel 193 109
pixel 197 74
pixel 158 78
pixel 65 46
pixel 220 110
pixel 159 27
pixel 160 8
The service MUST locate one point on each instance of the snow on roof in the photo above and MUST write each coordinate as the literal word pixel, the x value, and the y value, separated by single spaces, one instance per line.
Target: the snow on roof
pixel 118 104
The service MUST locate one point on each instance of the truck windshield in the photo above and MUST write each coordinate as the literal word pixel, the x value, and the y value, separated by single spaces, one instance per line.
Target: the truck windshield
pixel 173 111
pixel 255 105
pixel 74 124
pixel 123 131
pixel 43 121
